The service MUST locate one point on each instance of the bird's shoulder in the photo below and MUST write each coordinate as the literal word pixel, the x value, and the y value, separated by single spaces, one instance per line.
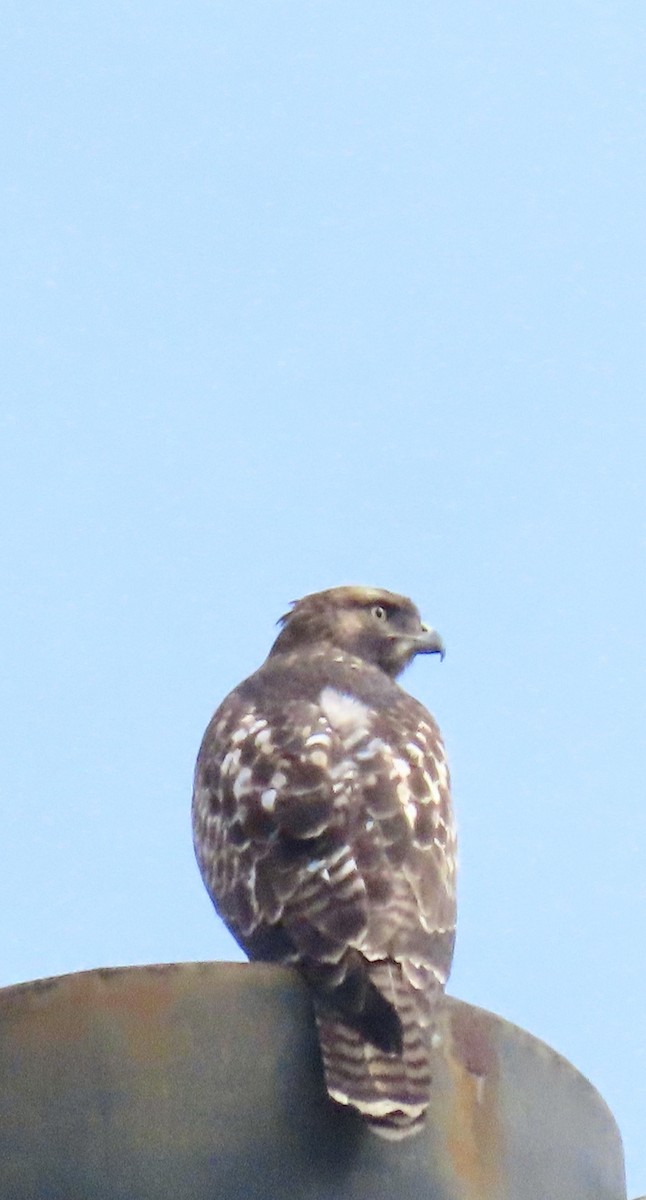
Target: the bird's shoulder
pixel 295 692
pixel 303 674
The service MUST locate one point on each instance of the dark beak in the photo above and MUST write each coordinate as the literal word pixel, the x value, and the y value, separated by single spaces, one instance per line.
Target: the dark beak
pixel 428 642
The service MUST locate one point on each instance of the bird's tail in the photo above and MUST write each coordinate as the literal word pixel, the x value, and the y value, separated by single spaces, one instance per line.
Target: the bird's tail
pixel 390 1088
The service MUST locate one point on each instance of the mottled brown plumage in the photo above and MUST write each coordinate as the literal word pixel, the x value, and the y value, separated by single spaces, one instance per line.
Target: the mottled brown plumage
pixel 324 833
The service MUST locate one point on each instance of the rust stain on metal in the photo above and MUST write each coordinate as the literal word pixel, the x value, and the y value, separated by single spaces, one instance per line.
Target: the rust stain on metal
pixel 472 1043
pixel 65 1001
pixel 142 1011
pixel 474 1134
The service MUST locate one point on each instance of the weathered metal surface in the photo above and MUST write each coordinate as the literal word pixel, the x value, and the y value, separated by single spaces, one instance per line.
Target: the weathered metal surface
pixel 203 1081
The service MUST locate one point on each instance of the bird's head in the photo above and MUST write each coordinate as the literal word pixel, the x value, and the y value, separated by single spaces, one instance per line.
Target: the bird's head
pixel 380 627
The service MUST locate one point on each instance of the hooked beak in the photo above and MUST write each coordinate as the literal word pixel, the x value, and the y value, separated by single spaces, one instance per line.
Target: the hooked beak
pixel 428 642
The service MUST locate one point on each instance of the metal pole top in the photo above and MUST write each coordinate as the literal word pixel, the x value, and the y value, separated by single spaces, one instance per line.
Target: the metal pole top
pixel 203 1081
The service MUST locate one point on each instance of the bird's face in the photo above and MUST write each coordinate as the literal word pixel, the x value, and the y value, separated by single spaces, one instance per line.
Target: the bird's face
pixel 380 627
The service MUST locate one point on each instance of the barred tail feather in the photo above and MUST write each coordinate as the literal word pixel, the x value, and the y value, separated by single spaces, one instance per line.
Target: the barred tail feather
pixel 391 1090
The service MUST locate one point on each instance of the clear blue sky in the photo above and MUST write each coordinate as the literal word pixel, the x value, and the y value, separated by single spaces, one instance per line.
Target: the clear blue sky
pixel 307 293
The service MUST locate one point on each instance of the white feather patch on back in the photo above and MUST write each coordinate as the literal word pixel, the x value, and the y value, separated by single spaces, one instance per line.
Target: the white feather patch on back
pixel 345 713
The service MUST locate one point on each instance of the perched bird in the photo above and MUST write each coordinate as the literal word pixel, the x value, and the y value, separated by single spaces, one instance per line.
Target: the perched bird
pixel 324 833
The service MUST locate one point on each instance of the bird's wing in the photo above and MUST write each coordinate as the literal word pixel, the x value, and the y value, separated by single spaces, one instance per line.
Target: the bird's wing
pixel 406 826
pixel 271 831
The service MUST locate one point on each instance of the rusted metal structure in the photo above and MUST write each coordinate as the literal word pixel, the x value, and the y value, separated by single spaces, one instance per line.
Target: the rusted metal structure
pixel 202 1081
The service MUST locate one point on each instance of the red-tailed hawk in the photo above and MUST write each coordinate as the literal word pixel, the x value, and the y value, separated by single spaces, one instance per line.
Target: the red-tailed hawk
pixel 324 833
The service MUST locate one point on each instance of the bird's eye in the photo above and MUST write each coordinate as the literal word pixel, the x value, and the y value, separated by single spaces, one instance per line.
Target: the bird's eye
pixel 379 612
